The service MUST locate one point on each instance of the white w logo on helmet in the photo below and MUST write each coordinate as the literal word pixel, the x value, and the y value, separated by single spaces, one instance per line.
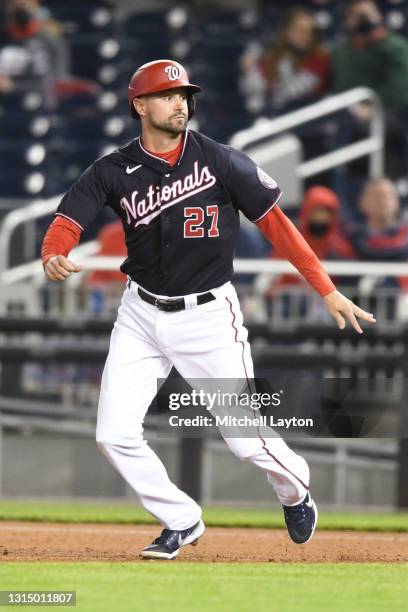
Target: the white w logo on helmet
pixel 173 72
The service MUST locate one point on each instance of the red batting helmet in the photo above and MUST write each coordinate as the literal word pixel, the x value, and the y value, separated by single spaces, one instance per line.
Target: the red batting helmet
pixel 159 76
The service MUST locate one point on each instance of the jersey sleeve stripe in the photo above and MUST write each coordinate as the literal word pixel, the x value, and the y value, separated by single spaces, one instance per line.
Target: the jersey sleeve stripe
pixel 270 208
pixel 69 219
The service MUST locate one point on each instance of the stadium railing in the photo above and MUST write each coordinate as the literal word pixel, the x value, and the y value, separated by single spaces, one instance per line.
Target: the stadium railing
pixel 265 129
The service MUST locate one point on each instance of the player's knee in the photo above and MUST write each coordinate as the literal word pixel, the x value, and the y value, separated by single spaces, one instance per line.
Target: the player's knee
pixel 105 442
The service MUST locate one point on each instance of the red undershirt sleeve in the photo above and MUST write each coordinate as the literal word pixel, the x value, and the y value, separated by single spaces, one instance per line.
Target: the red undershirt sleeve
pixel 289 243
pixel 61 237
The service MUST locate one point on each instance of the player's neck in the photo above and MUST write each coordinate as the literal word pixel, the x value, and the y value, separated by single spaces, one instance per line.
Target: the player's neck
pixel 160 142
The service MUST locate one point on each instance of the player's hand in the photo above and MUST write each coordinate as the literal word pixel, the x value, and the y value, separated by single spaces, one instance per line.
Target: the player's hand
pixel 58 268
pixel 341 308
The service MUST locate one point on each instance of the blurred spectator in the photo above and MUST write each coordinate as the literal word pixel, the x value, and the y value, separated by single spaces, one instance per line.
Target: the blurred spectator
pixel 372 56
pixel 294 70
pixel 383 235
pixel 251 243
pixel 319 222
pixel 105 286
pixel 40 13
pixel 112 243
pixel 33 56
pixel 44 16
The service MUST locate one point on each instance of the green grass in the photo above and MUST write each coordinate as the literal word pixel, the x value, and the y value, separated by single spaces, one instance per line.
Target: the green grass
pixel 77 512
pixel 222 587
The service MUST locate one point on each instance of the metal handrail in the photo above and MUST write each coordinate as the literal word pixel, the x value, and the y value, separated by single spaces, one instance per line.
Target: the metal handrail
pixel 34 269
pixel 264 128
pixel 37 209
pixel 336 268
pixel 84 256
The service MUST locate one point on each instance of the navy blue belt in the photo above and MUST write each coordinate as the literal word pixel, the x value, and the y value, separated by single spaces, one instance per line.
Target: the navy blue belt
pixel 173 305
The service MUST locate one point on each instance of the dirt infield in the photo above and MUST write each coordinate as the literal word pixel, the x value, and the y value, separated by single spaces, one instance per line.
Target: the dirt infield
pixel 94 542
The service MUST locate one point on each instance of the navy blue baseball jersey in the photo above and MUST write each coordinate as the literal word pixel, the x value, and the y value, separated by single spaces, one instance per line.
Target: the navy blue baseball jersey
pixel 181 222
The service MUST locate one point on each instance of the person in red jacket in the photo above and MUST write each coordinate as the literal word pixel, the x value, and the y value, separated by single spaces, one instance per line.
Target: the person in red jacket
pixel 112 242
pixel 319 223
pixel 105 286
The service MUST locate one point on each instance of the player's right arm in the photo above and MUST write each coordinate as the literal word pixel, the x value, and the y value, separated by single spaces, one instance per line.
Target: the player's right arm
pixel 61 237
pixel 78 207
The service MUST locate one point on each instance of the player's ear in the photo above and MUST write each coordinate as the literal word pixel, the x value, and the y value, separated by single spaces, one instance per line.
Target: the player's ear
pixel 139 106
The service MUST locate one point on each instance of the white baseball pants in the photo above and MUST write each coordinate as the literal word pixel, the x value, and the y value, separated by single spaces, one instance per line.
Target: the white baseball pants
pixel 207 341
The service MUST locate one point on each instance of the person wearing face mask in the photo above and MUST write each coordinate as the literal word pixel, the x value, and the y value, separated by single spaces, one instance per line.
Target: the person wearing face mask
pixel 294 70
pixel 370 55
pixel 319 223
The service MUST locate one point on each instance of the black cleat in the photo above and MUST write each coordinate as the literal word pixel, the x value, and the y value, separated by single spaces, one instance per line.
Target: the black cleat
pixel 301 520
pixel 168 544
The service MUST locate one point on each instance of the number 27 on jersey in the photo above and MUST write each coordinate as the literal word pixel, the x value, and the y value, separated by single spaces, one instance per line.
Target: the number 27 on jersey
pixel 194 221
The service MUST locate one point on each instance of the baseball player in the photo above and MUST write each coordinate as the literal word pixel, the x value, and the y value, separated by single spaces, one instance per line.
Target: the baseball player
pixel 178 195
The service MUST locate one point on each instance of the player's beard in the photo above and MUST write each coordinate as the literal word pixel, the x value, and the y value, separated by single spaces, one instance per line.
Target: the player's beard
pixel 171 126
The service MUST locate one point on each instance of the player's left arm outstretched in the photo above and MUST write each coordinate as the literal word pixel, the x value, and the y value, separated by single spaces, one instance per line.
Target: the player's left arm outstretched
pixel 289 243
